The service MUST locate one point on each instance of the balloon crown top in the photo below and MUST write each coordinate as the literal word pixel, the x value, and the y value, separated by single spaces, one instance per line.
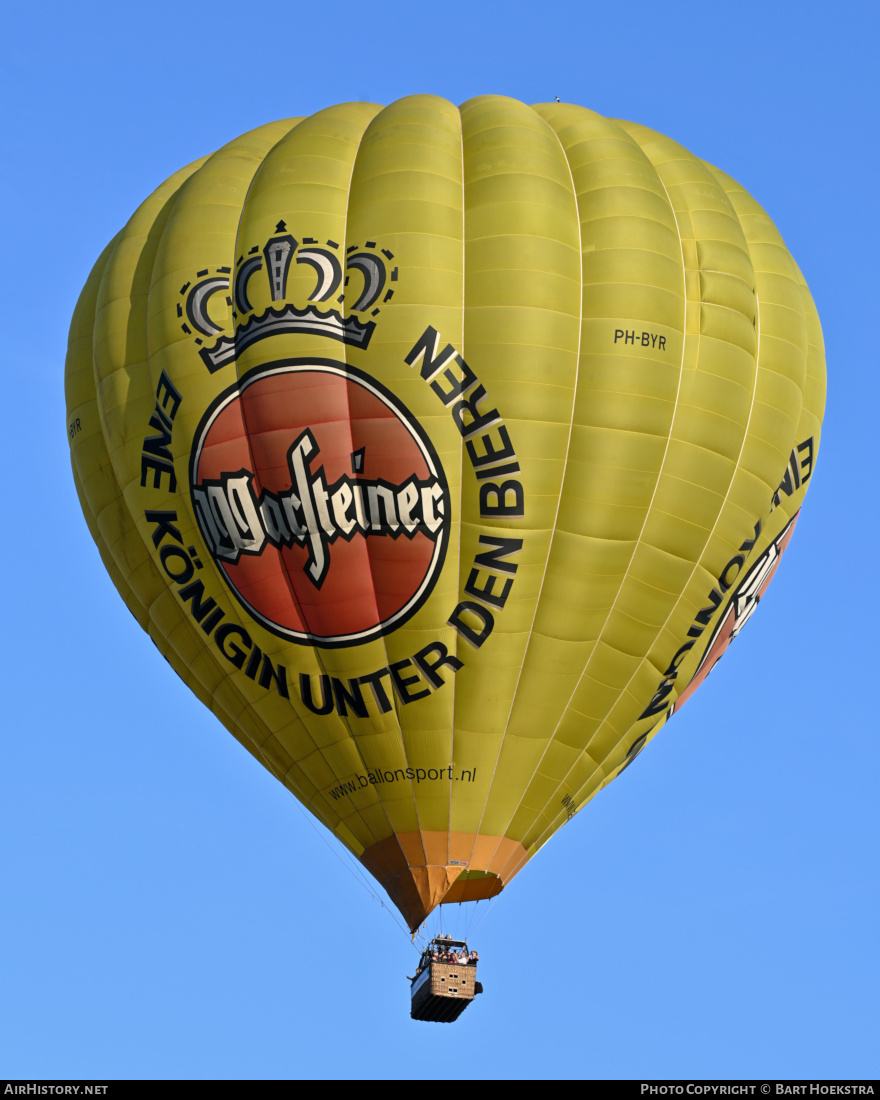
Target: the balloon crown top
pixel 275 259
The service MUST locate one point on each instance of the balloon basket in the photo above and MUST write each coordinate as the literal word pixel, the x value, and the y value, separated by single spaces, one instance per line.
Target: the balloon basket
pixel 441 991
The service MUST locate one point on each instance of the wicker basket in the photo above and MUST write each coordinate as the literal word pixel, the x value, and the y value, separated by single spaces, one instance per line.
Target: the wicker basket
pixel 442 991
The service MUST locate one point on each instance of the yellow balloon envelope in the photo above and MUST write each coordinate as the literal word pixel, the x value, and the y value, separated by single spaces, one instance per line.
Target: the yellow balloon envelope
pixel 443 452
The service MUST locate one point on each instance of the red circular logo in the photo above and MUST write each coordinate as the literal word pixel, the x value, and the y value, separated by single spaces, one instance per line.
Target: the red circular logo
pixel 322 501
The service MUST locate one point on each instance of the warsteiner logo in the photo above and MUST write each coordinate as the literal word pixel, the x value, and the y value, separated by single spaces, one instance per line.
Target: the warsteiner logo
pixel 742 606
pixel 330 523
pixel 312 513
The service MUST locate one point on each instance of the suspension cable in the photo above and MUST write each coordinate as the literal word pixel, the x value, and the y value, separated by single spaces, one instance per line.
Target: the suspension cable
pixel 355 873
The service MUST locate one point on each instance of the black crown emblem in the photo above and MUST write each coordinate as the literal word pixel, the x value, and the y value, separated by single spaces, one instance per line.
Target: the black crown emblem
pixel 275 260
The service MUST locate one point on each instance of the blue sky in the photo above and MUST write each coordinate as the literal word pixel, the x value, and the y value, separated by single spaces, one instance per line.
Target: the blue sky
pixel 167 909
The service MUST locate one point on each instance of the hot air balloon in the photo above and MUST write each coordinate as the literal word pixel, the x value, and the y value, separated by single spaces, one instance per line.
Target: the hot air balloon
pixel 442 452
